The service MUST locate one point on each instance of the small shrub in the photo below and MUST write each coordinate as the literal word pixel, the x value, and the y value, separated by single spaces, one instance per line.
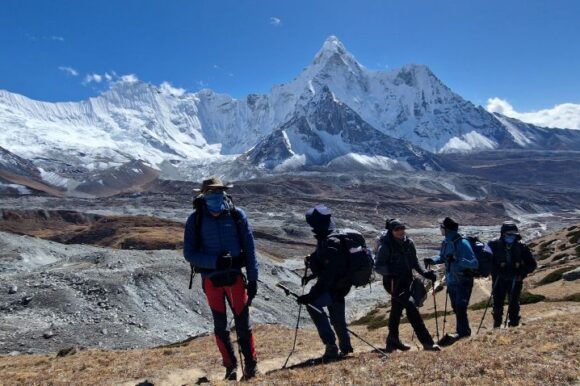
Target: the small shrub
pixel 530 298
pixel 553 276
pixel 574 236
pixel 572 298
pixel 479 305
pixel 559 256
pixel 378 322
pixel 365 320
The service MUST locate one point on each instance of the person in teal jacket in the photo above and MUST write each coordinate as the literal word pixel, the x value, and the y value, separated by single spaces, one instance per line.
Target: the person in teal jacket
pixel 460 261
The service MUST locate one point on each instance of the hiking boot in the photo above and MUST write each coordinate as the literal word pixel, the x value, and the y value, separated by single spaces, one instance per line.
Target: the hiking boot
pixel 250 370
pixel 396 344
pixel 330 352
pixel 231 373
pixel 344 351
pixel 431 347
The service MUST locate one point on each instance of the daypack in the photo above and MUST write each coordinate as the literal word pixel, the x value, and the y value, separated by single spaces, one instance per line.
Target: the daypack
pixel 482 253
pixel 418 292
pixel 359 258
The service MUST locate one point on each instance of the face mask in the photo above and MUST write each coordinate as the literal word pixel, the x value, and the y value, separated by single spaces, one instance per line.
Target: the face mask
pixel 510 239
pixel 215 201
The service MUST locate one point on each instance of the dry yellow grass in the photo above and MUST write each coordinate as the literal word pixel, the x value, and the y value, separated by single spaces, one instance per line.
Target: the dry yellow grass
pixel 544 351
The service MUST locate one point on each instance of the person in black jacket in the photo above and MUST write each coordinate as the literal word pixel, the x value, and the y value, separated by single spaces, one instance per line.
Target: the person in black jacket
pixel 396 258
pixel 512 261
pixel 329 266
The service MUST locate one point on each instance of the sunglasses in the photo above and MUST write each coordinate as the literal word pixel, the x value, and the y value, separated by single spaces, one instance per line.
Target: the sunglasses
pixel 399 229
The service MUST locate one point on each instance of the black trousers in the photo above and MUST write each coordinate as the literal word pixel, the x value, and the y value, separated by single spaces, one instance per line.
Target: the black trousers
pixel 510 287
pixel 400 294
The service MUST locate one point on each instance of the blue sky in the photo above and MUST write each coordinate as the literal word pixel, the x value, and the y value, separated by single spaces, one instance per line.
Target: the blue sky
pixel 526 52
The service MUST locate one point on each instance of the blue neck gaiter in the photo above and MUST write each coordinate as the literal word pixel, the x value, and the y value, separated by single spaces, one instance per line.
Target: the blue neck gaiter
pixel 509 239
pixel 215 202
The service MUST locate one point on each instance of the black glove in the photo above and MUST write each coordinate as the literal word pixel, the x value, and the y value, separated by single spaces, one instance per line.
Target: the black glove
pixel 304 299
pixel 252 289
pixel 224 261
pixel 430 275
pixel 428 261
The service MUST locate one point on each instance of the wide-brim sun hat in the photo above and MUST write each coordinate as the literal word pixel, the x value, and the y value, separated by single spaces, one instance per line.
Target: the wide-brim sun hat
pixel 213 182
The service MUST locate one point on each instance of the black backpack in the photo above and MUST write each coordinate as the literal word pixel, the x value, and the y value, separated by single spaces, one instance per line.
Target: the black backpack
pixel 482 253
pixel 359 258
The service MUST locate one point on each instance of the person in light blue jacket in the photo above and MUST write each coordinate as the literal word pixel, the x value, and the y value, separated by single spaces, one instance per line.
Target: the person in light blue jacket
pixel 460 261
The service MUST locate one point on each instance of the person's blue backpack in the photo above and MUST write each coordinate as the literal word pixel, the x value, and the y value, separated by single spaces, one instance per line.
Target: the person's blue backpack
pixel 482 253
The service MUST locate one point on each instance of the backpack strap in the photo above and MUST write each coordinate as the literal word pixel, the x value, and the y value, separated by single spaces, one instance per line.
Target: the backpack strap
pixel 235 214
pixel 198 210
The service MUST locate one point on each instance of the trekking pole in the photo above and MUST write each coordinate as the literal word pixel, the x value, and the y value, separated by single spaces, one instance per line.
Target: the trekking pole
pixel 318 310
pixel 510 302
pixel 435 307
pixel 445 309
pixel 487 305
pixel 302 282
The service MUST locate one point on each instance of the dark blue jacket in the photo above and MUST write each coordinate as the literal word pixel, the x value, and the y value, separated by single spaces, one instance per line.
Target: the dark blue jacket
pixel 465 259
pixel 219 234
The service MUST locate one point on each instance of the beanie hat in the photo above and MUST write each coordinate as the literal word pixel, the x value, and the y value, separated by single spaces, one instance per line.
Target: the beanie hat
pixel 319 218
pixel 450 224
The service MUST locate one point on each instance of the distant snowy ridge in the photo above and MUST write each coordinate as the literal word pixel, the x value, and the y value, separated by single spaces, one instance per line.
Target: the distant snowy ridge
pixel 134 120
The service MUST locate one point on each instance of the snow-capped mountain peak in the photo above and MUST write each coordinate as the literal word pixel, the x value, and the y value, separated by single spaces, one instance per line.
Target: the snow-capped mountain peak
pixel 333 99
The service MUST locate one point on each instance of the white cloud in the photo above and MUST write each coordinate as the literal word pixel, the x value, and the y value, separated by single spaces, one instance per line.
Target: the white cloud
pixel 563 116
pixel 275 21
pixel 167 88
pixel 69 70
pixel 34 38
pixel 93 78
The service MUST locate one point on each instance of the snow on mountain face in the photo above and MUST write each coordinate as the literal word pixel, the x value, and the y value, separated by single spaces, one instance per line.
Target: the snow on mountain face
pixel 137 121
pixel 326 130
pixel 132 120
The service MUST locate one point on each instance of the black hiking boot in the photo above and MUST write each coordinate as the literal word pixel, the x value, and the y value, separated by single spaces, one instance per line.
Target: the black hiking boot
pixel 344 351
pixel 330 352
pixel 231 373
pixel 250 370
pixel 396 344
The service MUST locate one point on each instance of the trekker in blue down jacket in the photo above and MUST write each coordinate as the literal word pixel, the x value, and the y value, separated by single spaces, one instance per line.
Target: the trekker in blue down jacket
pixel 218 242
pixel 459 260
